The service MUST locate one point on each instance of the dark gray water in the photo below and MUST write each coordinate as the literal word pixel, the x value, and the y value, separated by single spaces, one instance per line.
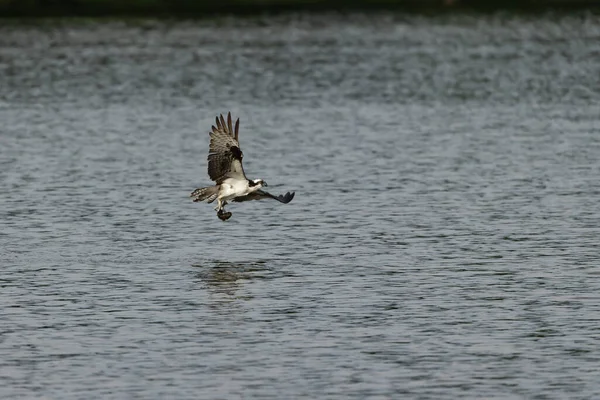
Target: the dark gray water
pixel 442 243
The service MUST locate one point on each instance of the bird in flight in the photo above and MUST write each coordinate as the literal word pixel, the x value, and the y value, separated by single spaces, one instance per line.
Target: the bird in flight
pixel 225 168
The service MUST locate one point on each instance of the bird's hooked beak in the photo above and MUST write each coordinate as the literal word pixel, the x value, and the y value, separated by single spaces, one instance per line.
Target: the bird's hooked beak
pixel 264 184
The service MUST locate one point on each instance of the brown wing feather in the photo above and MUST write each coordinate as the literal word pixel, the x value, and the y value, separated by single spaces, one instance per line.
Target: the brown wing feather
pixel 260 194
pixel 225 156
pixel 229 126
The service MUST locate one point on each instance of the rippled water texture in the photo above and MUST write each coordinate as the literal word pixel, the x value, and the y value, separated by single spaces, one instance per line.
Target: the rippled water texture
pixel 442 243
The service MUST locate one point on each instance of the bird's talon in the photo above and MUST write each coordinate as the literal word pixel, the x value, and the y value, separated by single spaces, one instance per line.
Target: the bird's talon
pixel 223 216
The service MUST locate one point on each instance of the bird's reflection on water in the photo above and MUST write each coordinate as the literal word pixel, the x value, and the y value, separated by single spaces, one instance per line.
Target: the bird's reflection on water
pixel 227 277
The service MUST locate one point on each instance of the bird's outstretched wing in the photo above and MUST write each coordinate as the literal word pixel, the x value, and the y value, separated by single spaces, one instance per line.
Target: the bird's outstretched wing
pixel 225 156
pixel 260 194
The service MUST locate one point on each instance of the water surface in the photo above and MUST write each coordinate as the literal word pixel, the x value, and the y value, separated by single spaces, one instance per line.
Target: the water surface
pixel 442 242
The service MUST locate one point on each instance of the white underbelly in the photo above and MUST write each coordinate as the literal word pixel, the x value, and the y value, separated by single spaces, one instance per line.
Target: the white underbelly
pixel 233 188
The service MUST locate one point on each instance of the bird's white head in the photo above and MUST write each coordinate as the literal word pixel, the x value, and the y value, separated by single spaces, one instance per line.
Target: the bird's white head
pixel 260 183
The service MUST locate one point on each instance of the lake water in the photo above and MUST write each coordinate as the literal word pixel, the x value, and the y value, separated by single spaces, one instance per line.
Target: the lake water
pixel 442 244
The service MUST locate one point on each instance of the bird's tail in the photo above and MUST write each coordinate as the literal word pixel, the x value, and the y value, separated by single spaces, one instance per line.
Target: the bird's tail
pixel 208 194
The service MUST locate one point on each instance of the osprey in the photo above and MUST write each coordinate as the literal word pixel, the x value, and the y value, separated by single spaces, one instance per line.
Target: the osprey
pixel 225 168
